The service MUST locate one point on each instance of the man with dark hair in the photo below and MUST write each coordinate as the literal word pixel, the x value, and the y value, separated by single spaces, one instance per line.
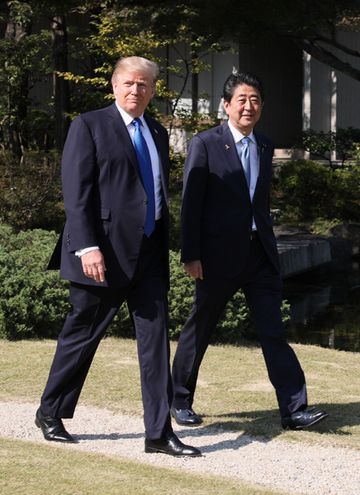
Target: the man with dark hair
pixel 228 244
pixel 114 248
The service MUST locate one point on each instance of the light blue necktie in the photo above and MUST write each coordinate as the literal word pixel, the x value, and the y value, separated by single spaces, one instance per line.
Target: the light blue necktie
pixel 143 156
pixel 245 158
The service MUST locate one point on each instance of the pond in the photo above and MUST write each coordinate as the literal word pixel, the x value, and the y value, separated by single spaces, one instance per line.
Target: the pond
pixel 325 306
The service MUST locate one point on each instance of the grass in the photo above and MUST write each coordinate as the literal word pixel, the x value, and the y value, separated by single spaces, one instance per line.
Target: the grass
pixel 30 469
pixel 233 392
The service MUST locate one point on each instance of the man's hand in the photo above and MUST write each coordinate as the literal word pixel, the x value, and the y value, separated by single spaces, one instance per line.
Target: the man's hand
pixel 93 265
pixel 194 269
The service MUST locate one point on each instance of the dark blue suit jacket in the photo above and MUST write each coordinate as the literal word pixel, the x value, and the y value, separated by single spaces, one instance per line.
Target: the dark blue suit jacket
pixel 217 211
pixel 104 198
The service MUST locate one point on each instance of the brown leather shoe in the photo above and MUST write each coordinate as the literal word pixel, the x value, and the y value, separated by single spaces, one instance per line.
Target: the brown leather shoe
pixel 171 445
pixel 52 428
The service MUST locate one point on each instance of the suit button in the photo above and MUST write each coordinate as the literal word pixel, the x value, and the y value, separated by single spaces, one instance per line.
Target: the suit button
pixel 145 201
pixel 141 229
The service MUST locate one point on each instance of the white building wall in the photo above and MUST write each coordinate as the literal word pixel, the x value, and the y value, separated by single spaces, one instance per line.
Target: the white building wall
pixel 321 99
pixel 335 97
pixel 320 113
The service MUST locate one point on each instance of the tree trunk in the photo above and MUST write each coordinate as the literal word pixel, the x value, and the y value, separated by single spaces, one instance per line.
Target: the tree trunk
pixel 194 84
pixel 17 92
pixel 61 91
pixel 194 92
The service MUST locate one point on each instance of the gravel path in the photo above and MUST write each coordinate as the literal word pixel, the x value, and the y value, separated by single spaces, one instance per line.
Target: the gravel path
pixel 274 464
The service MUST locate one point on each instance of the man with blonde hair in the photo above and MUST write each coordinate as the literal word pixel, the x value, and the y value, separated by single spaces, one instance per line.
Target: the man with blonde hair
pixel 114 248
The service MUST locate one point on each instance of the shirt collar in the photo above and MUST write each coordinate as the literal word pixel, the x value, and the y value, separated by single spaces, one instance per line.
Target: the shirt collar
pixel 237 135
pixel 127 118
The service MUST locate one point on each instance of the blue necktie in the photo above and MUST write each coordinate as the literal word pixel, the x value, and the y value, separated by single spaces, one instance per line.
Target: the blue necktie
pixel 245 158
pixel 143 156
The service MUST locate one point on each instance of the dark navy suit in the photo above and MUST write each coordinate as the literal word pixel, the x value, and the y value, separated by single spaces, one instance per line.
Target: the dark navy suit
pixel 217 215
pixel 105 204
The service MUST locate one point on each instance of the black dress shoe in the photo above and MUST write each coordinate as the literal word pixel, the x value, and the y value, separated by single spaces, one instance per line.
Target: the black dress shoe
pixel 186 417
pixel 170 445
pixel 303 419
pixel 52 428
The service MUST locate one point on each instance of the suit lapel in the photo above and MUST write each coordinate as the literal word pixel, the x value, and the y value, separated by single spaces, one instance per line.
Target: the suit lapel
pixel 121 131
pixel 263 161
pixel 162 152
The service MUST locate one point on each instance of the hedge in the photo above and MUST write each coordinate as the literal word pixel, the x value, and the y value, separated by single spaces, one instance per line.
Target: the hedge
pixel 305 190
pixel 34 301
pixel 31 194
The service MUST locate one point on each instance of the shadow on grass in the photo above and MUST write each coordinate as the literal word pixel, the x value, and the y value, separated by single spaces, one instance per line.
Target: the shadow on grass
pixel 260 426
pixel 264 425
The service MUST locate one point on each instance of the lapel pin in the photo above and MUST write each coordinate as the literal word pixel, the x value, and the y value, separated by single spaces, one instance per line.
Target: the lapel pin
pixel 262 147
pixel 227 146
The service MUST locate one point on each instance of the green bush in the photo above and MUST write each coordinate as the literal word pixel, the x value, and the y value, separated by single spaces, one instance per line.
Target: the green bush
pixel 233 324
pixel 34 301
pixel 321 144
pixel 175 226
pixel 307 190
pixel 177 161
pixel 346 198
pixel 180 295
pixel 232 327
pixel 31 191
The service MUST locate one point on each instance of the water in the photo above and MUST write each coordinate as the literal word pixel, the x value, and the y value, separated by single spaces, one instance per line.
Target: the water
pixel 325 306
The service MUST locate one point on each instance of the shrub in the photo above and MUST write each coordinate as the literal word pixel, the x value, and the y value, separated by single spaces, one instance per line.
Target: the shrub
pixel 175 225
pixel 235 321
pixel 319 143
pixel 232 326
pixel 31 191
pixel 34 301
pixel 346 197
pixel 307 190
pixel 180 295
pixel 177 161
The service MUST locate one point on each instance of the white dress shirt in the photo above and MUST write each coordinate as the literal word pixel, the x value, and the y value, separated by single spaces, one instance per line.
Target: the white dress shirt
pixel 155 163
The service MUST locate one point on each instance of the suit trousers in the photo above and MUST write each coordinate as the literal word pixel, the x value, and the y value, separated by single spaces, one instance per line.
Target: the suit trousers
pixel 93 309
pixel 262 287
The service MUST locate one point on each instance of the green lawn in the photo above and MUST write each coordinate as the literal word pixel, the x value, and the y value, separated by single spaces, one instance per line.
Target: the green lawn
pixel 233 389
pixel 30 469
pixel 233 392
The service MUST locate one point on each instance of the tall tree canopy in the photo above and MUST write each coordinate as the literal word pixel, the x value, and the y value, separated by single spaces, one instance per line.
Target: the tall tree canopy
pixel 312 24
pixel 41 39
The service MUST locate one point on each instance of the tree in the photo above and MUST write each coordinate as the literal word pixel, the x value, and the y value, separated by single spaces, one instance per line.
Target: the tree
pixel 190 28
pixel 27 57
pixel 311 24
pixel 314 26
pixel 150 29
pixel 19 52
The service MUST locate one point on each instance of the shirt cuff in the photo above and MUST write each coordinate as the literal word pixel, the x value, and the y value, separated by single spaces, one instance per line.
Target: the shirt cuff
pixel 80 252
